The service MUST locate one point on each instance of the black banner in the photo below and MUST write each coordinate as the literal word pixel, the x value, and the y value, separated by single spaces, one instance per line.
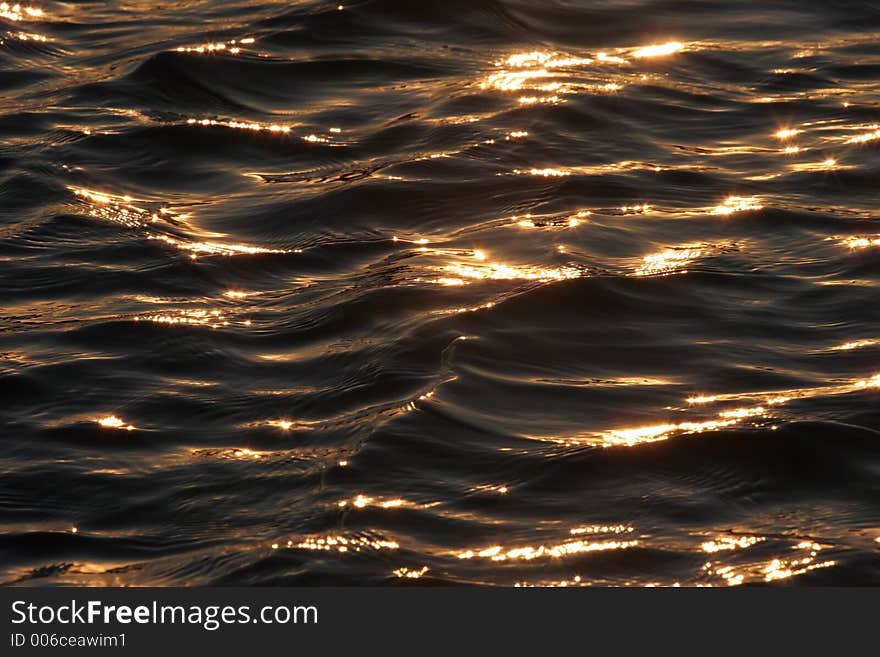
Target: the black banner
pixel 412 620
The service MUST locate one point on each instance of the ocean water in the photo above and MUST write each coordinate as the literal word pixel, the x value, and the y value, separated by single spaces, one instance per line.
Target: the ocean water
pixel 483 292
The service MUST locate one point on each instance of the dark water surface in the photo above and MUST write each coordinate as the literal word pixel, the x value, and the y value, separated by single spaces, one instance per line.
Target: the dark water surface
pixel 484 291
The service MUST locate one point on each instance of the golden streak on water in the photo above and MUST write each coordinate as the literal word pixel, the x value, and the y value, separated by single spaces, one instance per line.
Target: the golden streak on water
pixel 773 570
pixel 490 488
pixel 862 242
pixel 199 317
pixel 602 529
pixel 828 164
pixel 741 413
pixel 866 137
pixel 547 75
pixel 543 59
pixel 363 501
pixel 610 59
pixel 734 204
pixel 19 12
pixel 574 581
pixel 544 173
pixel 98 197
pixel 121 209
pixel 242 125
pixel 24 36
pixel 232 47
pixel 502 272
pixel 857 344
pixel 728 543
pixel 560 550
pixel 513 80
pixel 410 574
pixel 728 418
pixel 342 544
pixel 658 432
pixel 635 209
pixel 660 50
pixel 113 422
pixel 782 396
pixel 787 133
pixel 214 248
pixel 668 262
pixel 245 453
pixel 534 100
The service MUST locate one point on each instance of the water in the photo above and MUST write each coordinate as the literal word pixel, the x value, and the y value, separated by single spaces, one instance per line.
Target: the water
pixel 489 292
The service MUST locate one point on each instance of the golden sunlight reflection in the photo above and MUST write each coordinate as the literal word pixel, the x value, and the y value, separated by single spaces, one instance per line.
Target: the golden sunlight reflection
pixel 491 488
pixel 213 248
pixel 113 422
pixel 765 403
pixel 610 59
pixel 479 267
pixel 544 77
pixel 602 529
pixel 803 557
pixel 701 399
pixel 29 36
pixel 658 432
pixel 862 242
pixel 460 274
pixel 856 344
pixel 762 401
pixel 535 100
pixel 553 551
pixel 18 12
pixel 782 396
pixel 245 453
pixel 213 318
pixel 530 221
pixel 669 261
pixel 544 173
pixel 577 580
pixel 635 209
pixel 340 544
pixel 733 204
pixel 241 125
pixel 866 137
pixel 828 164
pixel 410 573
pixel 513 80
pixel 544 59
pixel 787 133
pixel 729 543
pixel 232 47
pixel 363 501
pixel 660 50
pixel 121 209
